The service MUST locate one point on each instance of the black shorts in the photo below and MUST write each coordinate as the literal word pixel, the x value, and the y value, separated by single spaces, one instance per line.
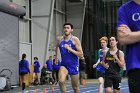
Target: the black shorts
pixel 23 73
pixel 100 74
pixel 112 81
pixel 134 81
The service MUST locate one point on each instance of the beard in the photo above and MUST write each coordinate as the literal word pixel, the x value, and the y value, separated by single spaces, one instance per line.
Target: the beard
pixel 67 34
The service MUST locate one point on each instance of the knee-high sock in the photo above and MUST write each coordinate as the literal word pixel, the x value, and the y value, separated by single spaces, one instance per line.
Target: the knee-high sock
pixel 23 86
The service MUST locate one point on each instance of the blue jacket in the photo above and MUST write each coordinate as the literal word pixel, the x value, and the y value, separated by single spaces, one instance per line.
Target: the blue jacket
pixel 49 65
pixel 56 66
pixel 24 66
pixel 36 67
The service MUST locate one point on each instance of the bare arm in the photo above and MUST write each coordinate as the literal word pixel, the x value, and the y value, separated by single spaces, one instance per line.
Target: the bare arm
pixel 78 51
pixel 120 60
pixel 98 62
pixel 95 65
pixel 126 36
pixel 57 47
pixel 103 61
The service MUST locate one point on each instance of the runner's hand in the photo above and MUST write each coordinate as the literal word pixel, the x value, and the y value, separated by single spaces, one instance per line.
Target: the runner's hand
pixel 106 65
pixel 95 65
pixel 124 29
pixel 67 46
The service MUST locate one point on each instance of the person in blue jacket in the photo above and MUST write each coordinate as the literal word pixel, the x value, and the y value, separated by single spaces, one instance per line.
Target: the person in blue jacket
pixel 56 67
pixel 36 70
pixel 49 66
pixel 23 70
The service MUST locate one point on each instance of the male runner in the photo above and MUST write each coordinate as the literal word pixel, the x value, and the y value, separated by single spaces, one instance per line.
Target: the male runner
pixel 70 49
pixel 113 61
pixel 100 69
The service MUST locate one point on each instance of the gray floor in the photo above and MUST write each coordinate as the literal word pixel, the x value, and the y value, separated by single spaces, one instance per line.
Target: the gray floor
pixel 91 87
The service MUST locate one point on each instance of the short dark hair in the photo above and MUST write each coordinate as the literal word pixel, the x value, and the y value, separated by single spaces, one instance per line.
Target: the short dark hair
pixel 115 37
pixel 23 56
pixel 68 24
pixel 35 58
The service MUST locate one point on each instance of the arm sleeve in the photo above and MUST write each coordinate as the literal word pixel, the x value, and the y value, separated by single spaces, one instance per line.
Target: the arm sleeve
pixel 122 16
pixel 38 64
pixel 28 67
pixel 19 67
pixel 46 62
